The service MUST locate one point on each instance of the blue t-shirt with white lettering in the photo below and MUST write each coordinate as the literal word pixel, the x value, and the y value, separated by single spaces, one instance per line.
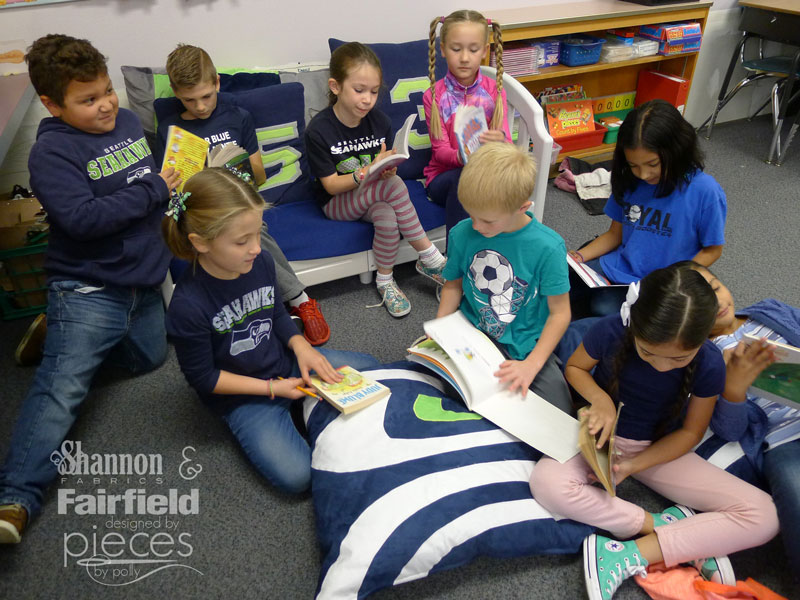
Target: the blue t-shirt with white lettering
pixel 657 232
pixel 228 123
pixel 237 325
pixel 648 395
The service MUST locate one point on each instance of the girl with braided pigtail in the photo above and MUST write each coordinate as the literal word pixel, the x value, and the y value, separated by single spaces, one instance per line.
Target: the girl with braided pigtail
pixel 656 360
pixel 464 41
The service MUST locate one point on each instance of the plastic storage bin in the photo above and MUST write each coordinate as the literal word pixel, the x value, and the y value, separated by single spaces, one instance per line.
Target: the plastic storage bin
pixel 576 51
pixel 579 141
pixel 22 270
pixel 614 51
pixel 644 47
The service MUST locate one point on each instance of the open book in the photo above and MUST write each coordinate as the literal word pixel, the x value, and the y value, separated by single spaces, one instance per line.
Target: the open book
pixel 589 276
pixel 184 151
pixel 233 157
pixel 466 358
pixel 400 147
pixel 781 380
pixel 468 125
pixel 601 460
pixel 354 392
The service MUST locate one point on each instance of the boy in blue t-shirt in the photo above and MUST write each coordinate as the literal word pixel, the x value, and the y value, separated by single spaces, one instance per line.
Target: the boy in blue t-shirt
pixel 195 82
pixel 508 273
pixel 94 174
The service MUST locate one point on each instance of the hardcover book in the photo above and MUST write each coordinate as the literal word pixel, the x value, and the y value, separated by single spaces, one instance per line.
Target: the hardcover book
pixel 351 394
pixel 184 151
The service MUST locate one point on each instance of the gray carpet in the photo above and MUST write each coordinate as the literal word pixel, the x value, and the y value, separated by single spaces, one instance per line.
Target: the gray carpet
pixel 249 541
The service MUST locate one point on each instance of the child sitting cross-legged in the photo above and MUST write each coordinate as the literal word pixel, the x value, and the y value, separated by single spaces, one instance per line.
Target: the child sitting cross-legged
pixel 528 313
pixel 655 358
pixel 195 82
pixel 235 342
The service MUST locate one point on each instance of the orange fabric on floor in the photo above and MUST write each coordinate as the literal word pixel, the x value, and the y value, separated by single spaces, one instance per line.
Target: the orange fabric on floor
pixel 685 583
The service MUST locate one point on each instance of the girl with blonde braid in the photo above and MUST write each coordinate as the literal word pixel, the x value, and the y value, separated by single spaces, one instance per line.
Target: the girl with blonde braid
pixel 464 41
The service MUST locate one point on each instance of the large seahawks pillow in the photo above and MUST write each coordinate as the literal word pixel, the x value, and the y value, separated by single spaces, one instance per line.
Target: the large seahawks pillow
pixel 415 484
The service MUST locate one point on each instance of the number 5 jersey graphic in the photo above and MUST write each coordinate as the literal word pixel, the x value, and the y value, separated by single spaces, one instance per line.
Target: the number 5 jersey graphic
pixel 243 340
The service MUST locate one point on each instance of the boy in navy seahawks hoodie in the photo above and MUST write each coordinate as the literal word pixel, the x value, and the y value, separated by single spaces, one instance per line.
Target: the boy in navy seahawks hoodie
pixel 94 174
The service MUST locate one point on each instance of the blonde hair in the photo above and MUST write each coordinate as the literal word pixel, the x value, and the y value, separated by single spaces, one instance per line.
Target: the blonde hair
pixel 188 66
pixel 498 176
pixel 216 197
pixel 463 16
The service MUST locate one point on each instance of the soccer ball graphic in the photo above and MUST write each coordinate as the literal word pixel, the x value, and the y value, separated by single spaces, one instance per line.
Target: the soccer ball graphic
pixel 491 272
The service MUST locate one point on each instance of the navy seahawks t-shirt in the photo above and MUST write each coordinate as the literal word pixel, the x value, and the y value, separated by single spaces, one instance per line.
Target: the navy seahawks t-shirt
pixel 648 394
pixel 228 123
pixel 335 148
pixel 238 325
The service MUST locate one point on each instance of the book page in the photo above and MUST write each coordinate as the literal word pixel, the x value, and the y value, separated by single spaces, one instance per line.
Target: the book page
pixel 401 151
pixel 589 276
pixel 474 355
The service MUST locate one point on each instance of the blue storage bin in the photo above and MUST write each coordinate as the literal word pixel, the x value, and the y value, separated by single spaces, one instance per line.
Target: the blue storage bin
pixel 581 50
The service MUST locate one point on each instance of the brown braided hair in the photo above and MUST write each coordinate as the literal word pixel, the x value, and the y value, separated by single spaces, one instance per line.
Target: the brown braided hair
pixel 463 16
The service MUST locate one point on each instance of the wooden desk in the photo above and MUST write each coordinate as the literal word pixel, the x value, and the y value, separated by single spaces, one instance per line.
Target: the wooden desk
pixel 16 93
pixel 787 6
pixel 594 17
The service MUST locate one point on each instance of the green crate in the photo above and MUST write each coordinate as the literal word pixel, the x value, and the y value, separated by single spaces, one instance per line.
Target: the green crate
pixel 24 291
pixel 611 136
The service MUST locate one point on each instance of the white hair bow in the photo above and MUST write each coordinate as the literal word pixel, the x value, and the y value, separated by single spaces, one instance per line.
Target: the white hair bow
pixel 630 298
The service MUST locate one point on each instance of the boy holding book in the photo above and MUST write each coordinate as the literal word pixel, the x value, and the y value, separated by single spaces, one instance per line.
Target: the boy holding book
pixel 508 273
pixel 94 174
pixel 195 82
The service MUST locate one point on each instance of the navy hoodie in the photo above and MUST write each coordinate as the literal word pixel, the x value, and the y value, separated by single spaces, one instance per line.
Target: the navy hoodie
pixel 104 201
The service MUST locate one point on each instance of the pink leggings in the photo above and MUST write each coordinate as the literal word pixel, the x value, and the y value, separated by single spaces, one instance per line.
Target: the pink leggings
pixel 385 204
pixel 735 515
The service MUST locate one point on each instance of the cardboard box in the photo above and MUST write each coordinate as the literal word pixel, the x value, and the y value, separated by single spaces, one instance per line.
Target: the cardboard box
pixel 671 32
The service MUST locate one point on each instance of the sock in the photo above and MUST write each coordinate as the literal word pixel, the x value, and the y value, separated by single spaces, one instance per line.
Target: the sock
pixel 431 257
pixel 298 300
pixel 382 280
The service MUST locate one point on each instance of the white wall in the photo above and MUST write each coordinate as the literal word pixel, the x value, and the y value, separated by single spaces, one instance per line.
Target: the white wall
pixel 256 33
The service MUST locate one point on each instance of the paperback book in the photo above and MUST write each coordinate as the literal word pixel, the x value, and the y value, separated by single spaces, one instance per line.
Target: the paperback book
pixel 184 151
pixel 589 276
pixel 468 125
pixel 601 460
pixel 233 157
pixel 351 394
pixel 467 359
pixel 401 151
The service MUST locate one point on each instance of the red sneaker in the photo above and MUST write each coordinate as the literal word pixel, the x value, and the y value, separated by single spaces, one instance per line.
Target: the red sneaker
pixel 316 330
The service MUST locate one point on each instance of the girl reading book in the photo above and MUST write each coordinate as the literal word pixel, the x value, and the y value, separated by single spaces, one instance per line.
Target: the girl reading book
pixel 235 342
pixel 464 41
pixel 342 141
pixel 768 431
pixel 656 359
pixel 663 208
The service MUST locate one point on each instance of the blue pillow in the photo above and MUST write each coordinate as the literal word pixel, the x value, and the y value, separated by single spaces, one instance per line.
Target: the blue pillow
pixel 415 484
pixel 278 112
pixel 243 81
pixel 405 76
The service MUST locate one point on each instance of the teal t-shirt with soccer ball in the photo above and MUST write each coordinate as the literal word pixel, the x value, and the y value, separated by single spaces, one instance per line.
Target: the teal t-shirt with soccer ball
pixel 506 280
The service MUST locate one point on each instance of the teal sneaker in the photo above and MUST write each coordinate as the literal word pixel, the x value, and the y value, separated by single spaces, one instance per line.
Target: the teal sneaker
pixel 432 274
pixel 607 563
pixel 393 298
pixel 717 568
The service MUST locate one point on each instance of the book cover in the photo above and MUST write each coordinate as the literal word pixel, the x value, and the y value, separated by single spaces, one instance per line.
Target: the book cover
pixel 781 380
pixel 401 151
pixel 570 117
pixel 468 125
pixel 467 359
pixel 601 460
pixel 589 276
pixel 184 151
pixel 351 394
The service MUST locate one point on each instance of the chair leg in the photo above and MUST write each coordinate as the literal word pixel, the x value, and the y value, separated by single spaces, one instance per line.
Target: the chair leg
pixel 728 97
pixel 760 108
